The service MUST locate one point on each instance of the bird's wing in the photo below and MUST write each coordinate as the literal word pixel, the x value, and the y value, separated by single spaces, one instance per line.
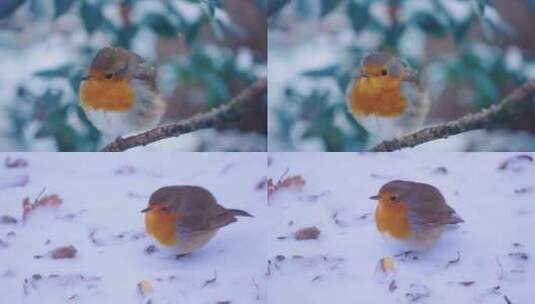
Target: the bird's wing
pixel 430 208
pixel 201 221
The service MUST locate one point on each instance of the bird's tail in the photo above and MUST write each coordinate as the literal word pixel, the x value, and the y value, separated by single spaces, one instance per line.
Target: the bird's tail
pixel 238 212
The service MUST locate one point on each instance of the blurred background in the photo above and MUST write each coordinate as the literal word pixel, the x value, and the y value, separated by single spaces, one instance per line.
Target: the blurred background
pixel 470 55
pixel 206 52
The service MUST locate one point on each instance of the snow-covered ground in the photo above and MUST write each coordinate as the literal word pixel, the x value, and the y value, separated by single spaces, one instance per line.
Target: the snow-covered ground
pixel 102 195
pixel 488 259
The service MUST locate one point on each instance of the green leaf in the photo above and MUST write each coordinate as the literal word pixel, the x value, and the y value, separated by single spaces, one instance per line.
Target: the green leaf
pixel 61 7
pixel 429 23
pixel 91 16
pixel 479 7
pixel 328 6
pixel 328 71
pixel 358 14
pixel 161 25
pixel 8 7
pixel 60 72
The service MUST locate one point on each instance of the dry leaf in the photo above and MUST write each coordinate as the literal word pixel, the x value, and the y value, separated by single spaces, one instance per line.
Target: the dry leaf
pixel 64 252
pixel 308 233
pixel 519 256
pixel 417 292
pixel 151 249
pixel 440 171
pixel 144 287
pixel 392 286
pixel 385 270
pixel 515 163
pixel 524 190
pixel 6 219
pixel 15 162
pixel 52 200
pixel 291 182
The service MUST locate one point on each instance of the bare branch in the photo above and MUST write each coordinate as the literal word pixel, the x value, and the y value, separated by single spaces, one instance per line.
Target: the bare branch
pixel 507 109
pixel 237 106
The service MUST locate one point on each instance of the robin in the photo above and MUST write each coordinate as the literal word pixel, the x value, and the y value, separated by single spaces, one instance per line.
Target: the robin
pixel 185 218
pixel 415 213
pixel 386 98
pixel 119 94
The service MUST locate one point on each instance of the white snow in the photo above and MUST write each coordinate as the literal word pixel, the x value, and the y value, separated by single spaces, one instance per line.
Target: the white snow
pixel 340 266
pixel 103 193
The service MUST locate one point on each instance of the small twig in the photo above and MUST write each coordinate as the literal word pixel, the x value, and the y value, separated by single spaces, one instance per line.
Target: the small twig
pixel 507 109
pixel 455 261
pixel 237 106
pixel 210 281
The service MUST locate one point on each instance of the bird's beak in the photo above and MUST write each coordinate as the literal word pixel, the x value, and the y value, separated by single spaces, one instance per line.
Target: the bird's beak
pixel 146 209
pixel 375 197
pixel 84 77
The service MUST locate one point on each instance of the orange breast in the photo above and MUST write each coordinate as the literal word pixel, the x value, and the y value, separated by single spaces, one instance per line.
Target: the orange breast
pixel 110 95
pixel 381 96
pixel 162 226
pixel 391 218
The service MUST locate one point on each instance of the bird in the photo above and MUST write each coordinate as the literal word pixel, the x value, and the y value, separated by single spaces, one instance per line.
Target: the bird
pixel 184 218
pixel 414 213
pixel 386 98
pixel 119 94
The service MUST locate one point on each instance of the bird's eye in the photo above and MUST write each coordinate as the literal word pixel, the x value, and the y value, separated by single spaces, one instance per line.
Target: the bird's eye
pixel 109 75
pixel 164 208
pixel 384 72
pixel 393 197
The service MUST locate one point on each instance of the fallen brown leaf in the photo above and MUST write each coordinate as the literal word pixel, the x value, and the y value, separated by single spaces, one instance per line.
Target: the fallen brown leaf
pixel 417 292
pixel 280 258
pixel 515 163
pixel 144 287
pixel 519 256
pixel 292 182
pixel 15 162
pixel 440 171
pixel 151 249
pixel 6 219
pixel 392 286
pixel 308 233
pixel 64 252
pixel 524 190
pixel 28 207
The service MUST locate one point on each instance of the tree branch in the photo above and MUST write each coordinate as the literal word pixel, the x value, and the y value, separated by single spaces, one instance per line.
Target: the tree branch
pixel 508 108
pixel 237 106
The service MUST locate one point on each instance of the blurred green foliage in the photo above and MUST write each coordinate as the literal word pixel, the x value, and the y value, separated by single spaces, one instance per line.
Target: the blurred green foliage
pixel 55 113
pixel 476 64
